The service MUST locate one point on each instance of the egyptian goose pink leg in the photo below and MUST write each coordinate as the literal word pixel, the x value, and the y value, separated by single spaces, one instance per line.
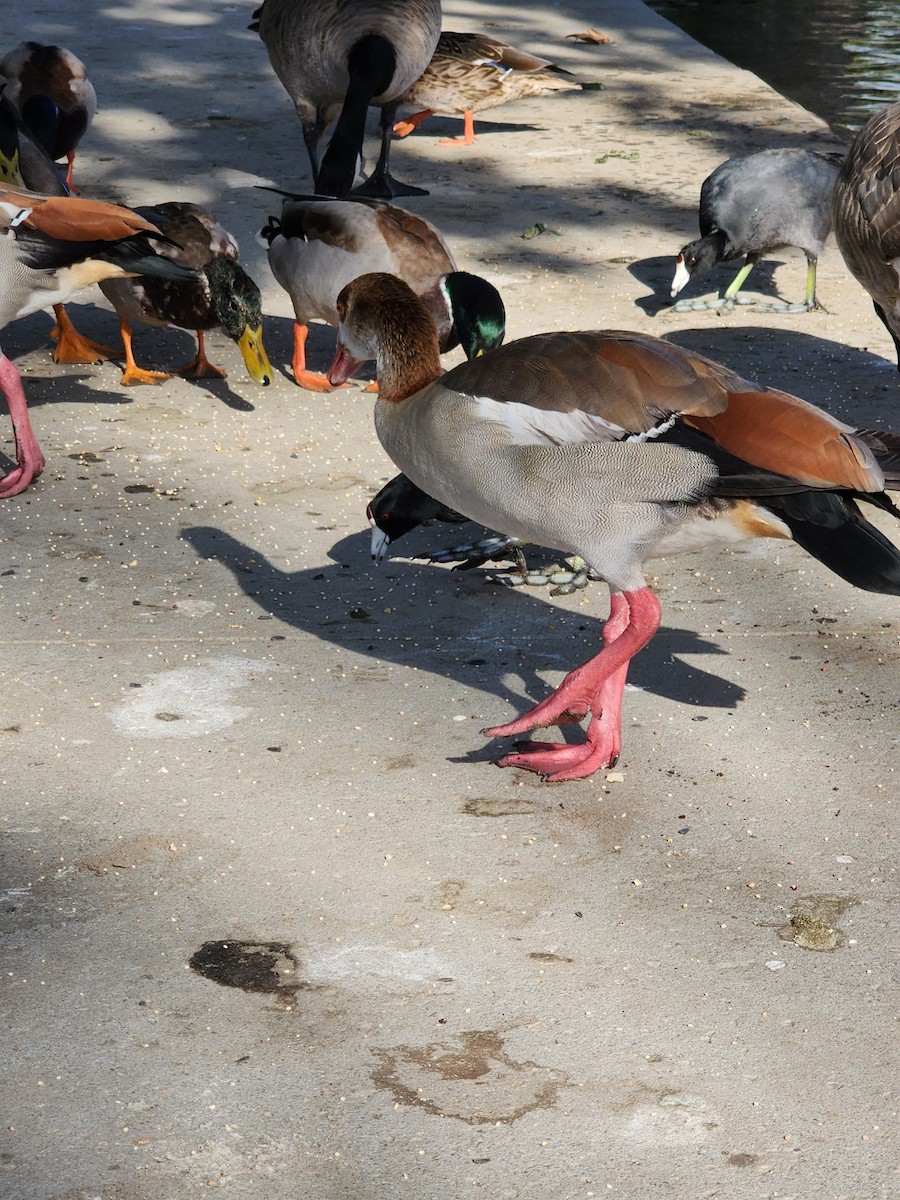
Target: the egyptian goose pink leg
pixel 29 458
pixel 594 687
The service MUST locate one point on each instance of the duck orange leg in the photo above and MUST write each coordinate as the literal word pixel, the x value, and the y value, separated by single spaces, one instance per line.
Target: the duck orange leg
pixel 133 373
pixel 29 459
pixel 200 367
pixel 595 687
pixel 72 346
pixel 402 129
pixel 468 137
pixel 311 380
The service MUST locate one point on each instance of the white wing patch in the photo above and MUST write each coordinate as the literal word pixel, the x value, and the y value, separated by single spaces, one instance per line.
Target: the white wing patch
pixel 529 426
pixel 656 431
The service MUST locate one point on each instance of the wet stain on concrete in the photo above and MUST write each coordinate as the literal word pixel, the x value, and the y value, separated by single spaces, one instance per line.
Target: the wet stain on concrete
pixel 813 926
pixel 501 806
pixel 742 1160
pixel 267 967
pixel 475 1082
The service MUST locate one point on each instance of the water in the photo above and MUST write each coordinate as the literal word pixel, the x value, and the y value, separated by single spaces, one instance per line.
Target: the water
pixel 838 58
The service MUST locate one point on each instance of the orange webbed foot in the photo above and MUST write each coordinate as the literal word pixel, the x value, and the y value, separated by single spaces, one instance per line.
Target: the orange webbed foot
pixel 133 375
pixel 73 347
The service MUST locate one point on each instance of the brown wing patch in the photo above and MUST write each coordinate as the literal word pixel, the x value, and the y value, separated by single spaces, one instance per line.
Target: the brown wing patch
pixel 336 224
pixel 46 72
pixel 419 251
pixel 779 432
pixel 73 219
pixel 627 379
pixel 471 47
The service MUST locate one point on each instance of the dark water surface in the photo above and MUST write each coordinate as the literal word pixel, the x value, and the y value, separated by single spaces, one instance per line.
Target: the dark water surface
pixel 838 58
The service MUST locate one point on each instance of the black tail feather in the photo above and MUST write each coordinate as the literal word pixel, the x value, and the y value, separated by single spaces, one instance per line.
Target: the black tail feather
pixel 137 254
pixel 830 527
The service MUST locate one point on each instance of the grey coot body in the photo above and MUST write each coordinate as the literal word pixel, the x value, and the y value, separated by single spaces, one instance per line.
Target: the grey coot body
pixel 757 203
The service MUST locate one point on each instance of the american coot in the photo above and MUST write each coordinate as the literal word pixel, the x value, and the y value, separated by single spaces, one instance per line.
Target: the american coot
pixel 336 58
pixel 471 72
pixel 866 214
pixel 618 447
pixel 756 203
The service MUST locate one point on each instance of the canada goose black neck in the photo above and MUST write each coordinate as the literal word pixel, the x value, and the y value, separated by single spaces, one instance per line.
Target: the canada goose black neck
pixel 371 64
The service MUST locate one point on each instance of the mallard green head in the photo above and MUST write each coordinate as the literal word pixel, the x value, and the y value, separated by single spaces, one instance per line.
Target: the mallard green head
pixel 479 317
pixel 238 306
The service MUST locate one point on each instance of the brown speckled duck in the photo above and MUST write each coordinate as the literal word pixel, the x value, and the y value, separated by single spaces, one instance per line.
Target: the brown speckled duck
pixel 472 72
pixel 335 57
pixel 616 447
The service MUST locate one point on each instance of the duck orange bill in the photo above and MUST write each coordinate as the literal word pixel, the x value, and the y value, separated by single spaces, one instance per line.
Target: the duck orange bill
pixel 344 366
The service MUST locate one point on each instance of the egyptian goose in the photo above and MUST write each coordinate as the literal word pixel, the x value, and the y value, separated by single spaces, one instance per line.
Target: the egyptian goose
pixel 220 293
pixel 334 58
pixel 616 447
pixel 472 72
pixel 866 214
pixel 318 245
pixel 50 247
pixel 756 203
pixel 50 88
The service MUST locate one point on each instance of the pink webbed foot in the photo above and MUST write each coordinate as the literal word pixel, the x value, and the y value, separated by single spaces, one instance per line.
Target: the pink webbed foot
pixel 595 687
pixel 29 459
pixel 21 476
pixel 558 761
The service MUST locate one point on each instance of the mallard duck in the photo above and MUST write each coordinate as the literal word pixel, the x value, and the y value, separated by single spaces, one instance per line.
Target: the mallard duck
pixel 50 247
pixel 219 292
pixel 866 214
pixel 616 447
pixel 756 203
pixel 317 245
pixel 335 57
pixel 472 72
pixel 49 87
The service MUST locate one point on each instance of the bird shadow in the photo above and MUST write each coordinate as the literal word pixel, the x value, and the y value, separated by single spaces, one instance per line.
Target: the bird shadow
pixel 455 627
pixel 161 350
pixel 657 272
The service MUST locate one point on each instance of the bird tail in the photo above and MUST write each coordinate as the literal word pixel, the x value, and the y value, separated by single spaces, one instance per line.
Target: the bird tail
pixel 886 448
pixel 137 255
pixel 830 527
